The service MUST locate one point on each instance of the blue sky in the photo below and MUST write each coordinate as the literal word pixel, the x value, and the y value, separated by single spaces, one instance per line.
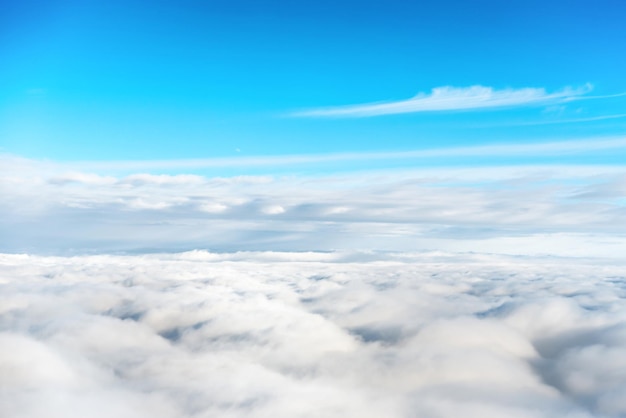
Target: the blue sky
pixel 138 80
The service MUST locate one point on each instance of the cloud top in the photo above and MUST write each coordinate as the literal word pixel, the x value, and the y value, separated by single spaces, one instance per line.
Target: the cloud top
pixel 448 98
pixel 255 335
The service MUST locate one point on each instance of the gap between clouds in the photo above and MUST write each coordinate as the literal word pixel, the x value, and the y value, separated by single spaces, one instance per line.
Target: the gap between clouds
pixel 447 98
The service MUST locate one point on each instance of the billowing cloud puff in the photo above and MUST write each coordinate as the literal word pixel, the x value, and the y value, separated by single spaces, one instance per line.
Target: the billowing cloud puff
pixel 201 334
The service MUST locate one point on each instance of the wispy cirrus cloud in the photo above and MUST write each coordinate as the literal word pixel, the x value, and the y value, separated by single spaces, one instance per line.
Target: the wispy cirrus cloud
pixel 453 98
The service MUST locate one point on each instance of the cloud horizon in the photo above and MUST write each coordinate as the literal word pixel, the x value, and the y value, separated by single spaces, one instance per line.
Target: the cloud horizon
pixel 540 209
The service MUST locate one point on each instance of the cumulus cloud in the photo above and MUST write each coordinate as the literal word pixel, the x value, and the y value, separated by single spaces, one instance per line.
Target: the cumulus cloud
pixel 333 334
pixel 454 98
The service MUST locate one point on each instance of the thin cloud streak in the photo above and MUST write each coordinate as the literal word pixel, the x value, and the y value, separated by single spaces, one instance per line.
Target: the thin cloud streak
pixel 573 120
pixel 448 98
pixel 568 147
pixel 496 150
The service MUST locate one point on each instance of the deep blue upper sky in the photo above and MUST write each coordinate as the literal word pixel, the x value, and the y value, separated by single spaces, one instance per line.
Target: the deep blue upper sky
pixel 104 80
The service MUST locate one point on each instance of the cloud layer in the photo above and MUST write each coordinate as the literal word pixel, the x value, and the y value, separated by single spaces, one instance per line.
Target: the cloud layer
pixel 561 210
pixel 453 98
pixel 311 335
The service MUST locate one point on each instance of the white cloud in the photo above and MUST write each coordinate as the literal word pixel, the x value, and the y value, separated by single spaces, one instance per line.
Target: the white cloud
pixel 83 178
pixel 454 98
pixel 338 334
pixel 162 179
pixel 273 210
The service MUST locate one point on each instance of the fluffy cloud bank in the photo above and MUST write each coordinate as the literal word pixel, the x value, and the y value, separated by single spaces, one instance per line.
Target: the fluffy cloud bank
pixel 199 334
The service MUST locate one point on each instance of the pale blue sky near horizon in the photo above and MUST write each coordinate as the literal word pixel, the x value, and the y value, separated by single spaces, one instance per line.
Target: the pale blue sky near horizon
pixel 138 80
